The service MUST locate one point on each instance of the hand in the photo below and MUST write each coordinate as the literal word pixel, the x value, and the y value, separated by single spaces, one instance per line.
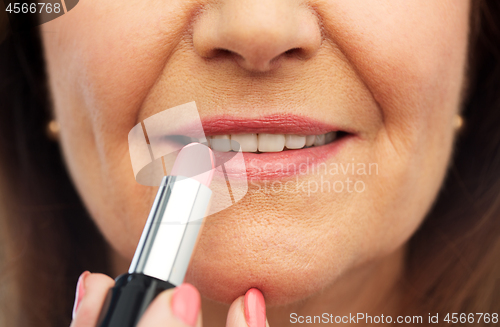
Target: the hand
pixel 178 307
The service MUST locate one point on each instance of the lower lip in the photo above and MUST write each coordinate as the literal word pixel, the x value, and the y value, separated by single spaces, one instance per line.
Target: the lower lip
pixel 278 165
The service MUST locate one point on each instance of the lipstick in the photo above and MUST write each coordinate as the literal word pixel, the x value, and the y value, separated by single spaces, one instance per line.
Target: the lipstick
pixel 167 241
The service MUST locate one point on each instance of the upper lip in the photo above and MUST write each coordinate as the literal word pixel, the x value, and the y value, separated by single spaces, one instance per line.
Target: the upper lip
pixel 272 124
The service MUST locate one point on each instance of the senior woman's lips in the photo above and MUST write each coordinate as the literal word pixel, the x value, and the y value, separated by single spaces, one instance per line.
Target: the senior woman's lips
pixel 274 146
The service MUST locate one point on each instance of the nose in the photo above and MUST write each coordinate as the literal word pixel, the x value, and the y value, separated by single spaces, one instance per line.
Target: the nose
pixel 257 34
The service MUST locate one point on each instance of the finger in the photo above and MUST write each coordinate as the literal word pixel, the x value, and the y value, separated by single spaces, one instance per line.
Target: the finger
pixel 179 307
pixel 248 310
pixel 88 305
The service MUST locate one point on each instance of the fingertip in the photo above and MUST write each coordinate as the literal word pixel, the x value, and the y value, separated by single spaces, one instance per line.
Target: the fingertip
pixel 80 291
pixel 98 280
pixel 180 306
pixel 255 308
pixel 96 287
pixel 248 310
pixel 236 314
pixel 186 304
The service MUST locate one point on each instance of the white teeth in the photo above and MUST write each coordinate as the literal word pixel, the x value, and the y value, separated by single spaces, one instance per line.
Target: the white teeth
pixel 310 140
pixel 221 143
pixel 248 142
pixel 295 141
pixel 319 140
pixel 267 142
pixel 271 142
pixel 329 137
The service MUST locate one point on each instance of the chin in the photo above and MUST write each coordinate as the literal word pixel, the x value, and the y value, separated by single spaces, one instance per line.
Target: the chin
pixel 280 285
pixel 225 267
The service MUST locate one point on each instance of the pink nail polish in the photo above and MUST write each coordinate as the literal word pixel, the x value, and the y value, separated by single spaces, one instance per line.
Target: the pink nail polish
pixel 255 308
pixel 80 291
pixel 186 304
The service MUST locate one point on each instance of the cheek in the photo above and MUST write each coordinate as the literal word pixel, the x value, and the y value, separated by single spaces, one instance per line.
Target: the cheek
pixel 100 70
pixel 411 56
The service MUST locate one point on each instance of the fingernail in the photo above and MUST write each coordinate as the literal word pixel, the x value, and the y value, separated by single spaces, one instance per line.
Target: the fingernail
pixel 80 291
pixel 255 308
pixel 186 304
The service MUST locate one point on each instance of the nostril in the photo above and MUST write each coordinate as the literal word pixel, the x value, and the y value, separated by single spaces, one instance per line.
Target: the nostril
pixel 292 51
pixel 219 52
pixel 295 52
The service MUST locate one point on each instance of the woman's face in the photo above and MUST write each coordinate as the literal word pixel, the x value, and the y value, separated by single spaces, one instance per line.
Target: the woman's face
pixel 389 73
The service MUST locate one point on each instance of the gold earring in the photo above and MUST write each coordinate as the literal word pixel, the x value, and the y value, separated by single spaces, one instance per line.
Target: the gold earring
pixel 53 130
pixel 459 122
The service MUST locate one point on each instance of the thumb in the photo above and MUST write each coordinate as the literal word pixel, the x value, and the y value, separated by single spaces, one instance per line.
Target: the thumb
pixel 179 307
pixel 91 293
pixel 248 311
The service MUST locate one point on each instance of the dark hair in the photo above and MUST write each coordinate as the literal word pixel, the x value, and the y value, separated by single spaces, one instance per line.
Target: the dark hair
pixel 49 238
pixel 454 259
